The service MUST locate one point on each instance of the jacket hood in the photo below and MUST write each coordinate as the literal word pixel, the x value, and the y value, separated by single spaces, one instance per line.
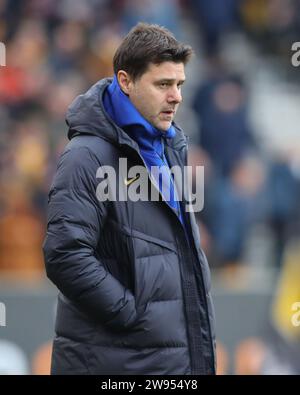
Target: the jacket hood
pixel 86 115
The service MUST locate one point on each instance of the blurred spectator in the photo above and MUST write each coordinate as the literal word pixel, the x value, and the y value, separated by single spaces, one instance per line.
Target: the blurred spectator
pixel 235 206
pixel 165 13
pixel 222 359
pixel 283 196
pixel 214 19
pixel 249 357
pixel 12 359
pixel 224 131
pixel 273 24
pixel 21 233
pixel 41 360
pixel 255 356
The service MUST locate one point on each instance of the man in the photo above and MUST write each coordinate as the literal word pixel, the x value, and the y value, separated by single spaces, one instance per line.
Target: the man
pixel 134 283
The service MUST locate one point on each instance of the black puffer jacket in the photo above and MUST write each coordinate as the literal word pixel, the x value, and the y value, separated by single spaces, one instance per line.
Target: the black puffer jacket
pixel 134 296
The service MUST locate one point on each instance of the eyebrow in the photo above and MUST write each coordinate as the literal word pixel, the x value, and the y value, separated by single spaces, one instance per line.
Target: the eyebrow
pixel 170 80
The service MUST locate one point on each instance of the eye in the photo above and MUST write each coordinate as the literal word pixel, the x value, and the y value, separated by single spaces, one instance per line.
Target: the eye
pixel 163 84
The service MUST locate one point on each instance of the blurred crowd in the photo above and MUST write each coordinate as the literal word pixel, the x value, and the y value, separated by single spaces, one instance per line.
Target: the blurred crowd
pixel 251 184
pixel 56 49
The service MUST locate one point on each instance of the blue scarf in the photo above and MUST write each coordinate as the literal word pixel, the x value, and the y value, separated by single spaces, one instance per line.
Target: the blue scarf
pixel 149 139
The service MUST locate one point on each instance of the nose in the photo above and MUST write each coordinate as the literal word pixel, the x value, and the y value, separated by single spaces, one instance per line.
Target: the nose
pixel 175 95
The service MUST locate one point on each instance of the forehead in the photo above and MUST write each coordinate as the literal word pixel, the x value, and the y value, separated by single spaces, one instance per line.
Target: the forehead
pixel 165 70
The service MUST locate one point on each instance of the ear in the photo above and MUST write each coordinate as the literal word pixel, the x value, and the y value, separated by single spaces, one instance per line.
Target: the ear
pixel 124 81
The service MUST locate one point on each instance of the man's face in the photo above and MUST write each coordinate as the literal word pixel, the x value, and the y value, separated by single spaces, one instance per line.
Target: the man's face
pixel 157 93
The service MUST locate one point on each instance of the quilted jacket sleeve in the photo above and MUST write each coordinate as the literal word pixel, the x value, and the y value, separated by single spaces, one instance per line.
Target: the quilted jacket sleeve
pixel 75 220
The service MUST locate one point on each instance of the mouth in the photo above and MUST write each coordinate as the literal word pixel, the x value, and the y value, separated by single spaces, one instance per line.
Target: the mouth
pixel 168 113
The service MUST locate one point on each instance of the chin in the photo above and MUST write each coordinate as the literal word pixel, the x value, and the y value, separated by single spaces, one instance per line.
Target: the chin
pixel 165 126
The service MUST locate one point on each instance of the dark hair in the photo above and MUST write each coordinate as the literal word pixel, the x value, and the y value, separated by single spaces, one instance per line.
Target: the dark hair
pixel 146 44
